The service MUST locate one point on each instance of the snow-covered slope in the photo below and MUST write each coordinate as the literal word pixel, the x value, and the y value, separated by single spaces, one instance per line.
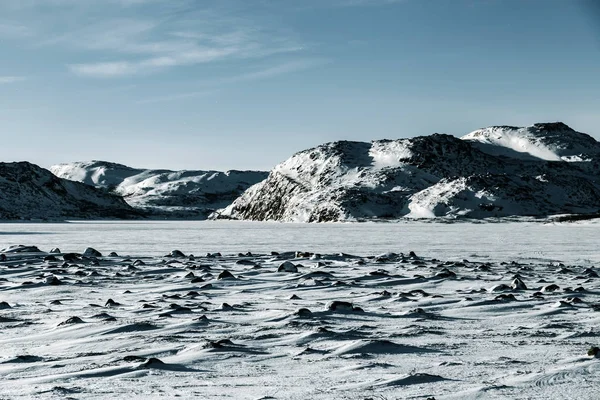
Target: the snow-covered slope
pixel 30 192
pixel 429 176
pixel 170 193
pixel 548 141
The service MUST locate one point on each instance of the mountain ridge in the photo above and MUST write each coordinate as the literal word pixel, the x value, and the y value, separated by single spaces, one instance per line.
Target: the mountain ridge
pixel 430 176
pixel 499 171
pixel 28 191
pixel 163 193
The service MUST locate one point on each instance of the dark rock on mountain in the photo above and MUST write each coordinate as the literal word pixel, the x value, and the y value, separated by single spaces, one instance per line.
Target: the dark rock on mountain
pixel 30 192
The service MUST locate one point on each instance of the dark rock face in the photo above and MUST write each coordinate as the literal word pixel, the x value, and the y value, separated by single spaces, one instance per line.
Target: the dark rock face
pixel 225 275
pixel 91 252
pixel 343 306
pixel 30 192
pixel 287 267
pixel 432 176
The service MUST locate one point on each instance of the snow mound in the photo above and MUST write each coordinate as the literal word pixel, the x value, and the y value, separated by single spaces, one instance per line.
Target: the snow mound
pixel 377 347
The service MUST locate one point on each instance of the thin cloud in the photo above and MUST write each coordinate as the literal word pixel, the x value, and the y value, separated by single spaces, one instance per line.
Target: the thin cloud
pixel 103 70
pixel 176 96
pixel 8 30
pixel 150 36
pixel 119 38
pixel 281 69
pixel 5 80
pixel 171 59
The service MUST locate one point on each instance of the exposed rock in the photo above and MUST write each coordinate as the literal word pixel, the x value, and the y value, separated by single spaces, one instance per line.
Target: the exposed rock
pixel 225 275
pixel 518 284
pixel 71 321
pixel 53 280
pixel 550 288
pixel 343 306
pixel 287 266
pixel 176 254
pixel 111 303
pixel 91 252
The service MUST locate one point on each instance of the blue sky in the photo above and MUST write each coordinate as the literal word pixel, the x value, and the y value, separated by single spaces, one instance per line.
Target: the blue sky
pixel 243 84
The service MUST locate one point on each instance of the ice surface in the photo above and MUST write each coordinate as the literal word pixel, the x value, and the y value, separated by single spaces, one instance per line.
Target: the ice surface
pixel 569 242
pixel 153 321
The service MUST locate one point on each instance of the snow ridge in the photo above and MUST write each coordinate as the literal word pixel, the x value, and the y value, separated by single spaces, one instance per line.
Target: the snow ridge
pixel 546 141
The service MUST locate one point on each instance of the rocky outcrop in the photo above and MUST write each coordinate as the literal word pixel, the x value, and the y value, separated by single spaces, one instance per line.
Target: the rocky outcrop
pixel 30 192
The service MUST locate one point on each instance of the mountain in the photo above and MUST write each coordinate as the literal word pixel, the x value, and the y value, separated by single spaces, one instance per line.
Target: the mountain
pixel 549 141
pixel 164 193
pixel 30 192
pixel 492 172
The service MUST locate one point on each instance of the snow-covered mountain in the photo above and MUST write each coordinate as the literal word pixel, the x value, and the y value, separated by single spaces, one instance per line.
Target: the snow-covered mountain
pixel 172 194
pixel 31 192
pixel 550 141
pixel 493 172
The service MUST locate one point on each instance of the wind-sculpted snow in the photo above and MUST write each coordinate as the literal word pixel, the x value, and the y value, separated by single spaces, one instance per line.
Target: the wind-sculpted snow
pixel 30 192
pixel 547 141
pixel 431 176
pixel 165 193
pixel 294 325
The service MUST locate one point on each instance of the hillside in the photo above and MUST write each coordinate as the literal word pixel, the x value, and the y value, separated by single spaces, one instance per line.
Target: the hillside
pixel 30 192
pixel 165 193
pixel 493 172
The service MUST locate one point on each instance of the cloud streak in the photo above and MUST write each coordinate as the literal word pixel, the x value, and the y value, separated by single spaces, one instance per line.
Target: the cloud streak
pixel 269 72
pixel 265 73
pixel 150 36
pixel 5 80
pixel 9 29
pixel 176 96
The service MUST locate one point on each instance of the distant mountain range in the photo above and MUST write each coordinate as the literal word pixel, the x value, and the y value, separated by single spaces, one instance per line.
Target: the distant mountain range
pixel 164 193
pixel 540 170
pixel 30 192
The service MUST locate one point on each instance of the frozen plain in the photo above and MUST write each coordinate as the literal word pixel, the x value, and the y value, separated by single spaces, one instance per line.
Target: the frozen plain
pixel 432 325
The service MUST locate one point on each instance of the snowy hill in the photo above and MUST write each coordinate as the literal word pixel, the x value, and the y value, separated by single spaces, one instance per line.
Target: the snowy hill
pixel 432 176
pixel 30 192
pixel 172 194
pixel 549 141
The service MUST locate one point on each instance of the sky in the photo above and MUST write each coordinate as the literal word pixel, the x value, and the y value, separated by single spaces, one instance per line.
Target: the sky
pixel 244 84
